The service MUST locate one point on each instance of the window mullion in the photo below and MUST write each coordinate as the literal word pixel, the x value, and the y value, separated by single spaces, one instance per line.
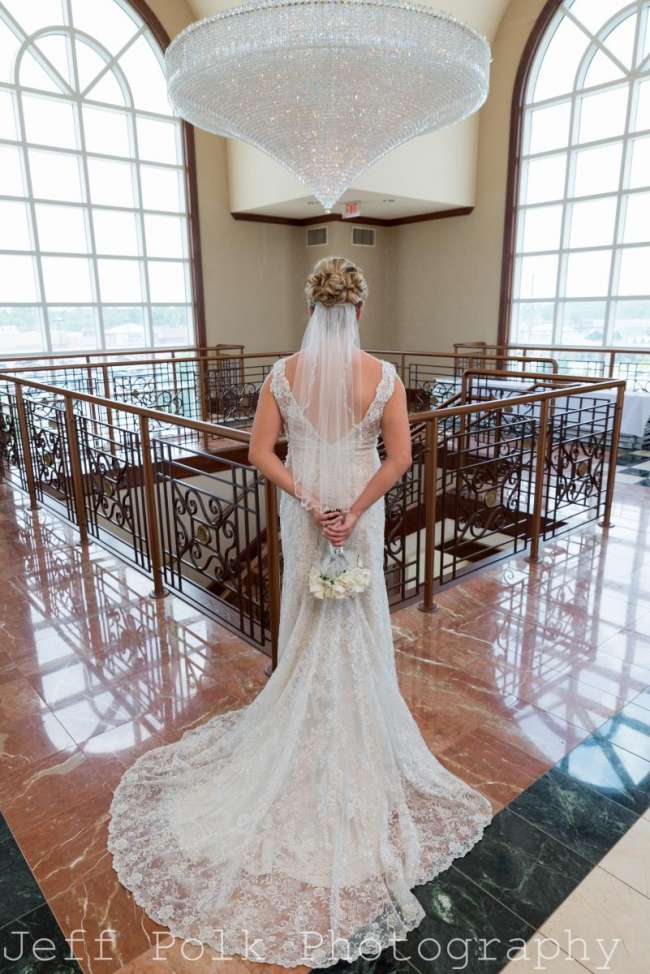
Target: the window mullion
pixel 614 271
pixel 144 274
pixel 29 41
pixel 65 150
pixel 595 39
pixel 144 112
pixel 641 63
pixel 113 61
pixel 562 260
pixel 45 322
pixel 90 229
pixel 594 144
pixel 126 209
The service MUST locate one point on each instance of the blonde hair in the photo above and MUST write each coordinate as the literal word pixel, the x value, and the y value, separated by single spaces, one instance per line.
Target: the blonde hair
pixel 336 280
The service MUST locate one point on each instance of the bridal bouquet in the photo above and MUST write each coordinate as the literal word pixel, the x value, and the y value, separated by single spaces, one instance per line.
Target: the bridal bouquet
pixel 338 575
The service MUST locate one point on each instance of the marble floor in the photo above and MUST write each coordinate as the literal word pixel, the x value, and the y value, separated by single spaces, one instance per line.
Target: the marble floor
pixel 633 467
pixel 530 682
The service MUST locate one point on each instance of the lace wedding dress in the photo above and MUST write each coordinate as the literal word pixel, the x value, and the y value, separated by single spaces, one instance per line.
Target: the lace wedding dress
pixel 293 830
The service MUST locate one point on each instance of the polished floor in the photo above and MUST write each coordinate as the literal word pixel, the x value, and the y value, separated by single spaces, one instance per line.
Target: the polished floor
pixel 530 682
pixel 633 467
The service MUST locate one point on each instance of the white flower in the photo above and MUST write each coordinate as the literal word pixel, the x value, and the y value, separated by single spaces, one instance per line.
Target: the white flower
pixel 328 582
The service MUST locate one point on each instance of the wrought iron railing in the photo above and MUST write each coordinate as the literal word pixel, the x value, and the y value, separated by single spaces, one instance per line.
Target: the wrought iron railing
pixel 99 357
pixel 631 364
pixel 491 476
pixel 225 388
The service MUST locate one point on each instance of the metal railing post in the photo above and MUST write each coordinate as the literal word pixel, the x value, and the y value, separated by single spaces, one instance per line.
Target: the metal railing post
pixel 540 469
pixel 430 500
pixel 175 378
pixel 203 390
pixel 106 382
pixel 76 470
pixel 23 428
pixel 613 456
pixel 273 562
pixel 151 511
pixel 91 392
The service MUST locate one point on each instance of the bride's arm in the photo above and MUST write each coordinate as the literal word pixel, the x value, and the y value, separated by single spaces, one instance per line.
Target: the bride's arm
pixel 396 432
pixel 265 433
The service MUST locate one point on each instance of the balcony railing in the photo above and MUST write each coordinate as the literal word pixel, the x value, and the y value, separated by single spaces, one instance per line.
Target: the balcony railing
pixel 72 358
pixel 224 388
pixel 494 473
pixel 631 364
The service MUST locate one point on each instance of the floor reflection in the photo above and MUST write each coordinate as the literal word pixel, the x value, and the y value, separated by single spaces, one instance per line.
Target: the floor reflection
pixel 524 671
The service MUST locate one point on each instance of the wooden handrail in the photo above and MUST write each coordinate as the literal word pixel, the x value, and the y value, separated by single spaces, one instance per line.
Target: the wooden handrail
pixel 589 384
pixel 116 405
pixel 488 405
pixel 87 366
pixel 602 350
pixel 101 355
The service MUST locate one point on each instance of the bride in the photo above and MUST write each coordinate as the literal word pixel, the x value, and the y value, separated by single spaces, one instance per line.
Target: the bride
pixel 293 831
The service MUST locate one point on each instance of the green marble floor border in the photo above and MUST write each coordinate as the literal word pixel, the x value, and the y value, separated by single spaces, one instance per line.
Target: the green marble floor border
pixel 532 856
pixel 31 940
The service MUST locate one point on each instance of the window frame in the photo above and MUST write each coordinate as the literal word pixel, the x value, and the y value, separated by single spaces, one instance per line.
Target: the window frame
pixel 155 34
pixel 538 39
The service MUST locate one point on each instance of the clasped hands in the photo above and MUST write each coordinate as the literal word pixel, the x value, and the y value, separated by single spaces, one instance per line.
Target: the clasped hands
pixel 336 526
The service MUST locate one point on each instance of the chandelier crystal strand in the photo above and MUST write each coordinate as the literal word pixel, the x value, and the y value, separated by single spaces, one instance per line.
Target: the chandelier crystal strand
pixel 327 87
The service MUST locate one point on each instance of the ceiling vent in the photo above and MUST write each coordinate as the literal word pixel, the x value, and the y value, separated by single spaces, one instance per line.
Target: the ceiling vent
pixel 317 236
pixel 363 237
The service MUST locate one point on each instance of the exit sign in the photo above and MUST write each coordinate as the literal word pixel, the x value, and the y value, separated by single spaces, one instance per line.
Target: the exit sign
pixel 352 210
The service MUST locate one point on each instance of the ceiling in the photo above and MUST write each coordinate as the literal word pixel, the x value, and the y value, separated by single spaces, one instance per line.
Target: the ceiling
pixel 373 206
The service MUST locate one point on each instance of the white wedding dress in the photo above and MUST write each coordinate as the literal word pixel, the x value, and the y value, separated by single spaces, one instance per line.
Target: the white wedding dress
pixel 293 830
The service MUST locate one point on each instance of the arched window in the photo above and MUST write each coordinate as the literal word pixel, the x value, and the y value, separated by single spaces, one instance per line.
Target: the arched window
pixel 94 236
pixel 577 249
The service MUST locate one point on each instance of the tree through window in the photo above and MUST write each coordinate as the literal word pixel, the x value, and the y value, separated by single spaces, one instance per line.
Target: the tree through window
pixel 94 247
pixel 582 239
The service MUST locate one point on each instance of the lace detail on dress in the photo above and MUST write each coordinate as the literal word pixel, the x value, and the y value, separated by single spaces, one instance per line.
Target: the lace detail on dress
pixel 384 391
pixel 279 385
pixel 281 390
pixel 293 831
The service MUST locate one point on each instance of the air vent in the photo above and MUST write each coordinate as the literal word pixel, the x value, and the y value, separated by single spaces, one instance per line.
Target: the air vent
pixel 317 236
pixel 363 237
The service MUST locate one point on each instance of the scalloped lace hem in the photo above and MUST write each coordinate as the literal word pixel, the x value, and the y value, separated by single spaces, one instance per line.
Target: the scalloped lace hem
pixel 230 945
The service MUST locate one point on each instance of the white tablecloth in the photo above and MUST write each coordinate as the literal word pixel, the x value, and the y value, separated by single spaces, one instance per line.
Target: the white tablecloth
pixel 636 405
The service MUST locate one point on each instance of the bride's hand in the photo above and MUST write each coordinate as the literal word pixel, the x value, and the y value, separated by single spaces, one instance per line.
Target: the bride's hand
pixel 339 530
pixel 324 518
pixel 321 517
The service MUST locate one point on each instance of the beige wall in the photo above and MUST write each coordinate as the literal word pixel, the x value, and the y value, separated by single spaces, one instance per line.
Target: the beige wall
pixel 252 291
pixel 372 260
pixel 448 272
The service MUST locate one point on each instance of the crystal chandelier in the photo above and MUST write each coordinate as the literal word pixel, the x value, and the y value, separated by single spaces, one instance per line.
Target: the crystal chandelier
pixel 327 87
